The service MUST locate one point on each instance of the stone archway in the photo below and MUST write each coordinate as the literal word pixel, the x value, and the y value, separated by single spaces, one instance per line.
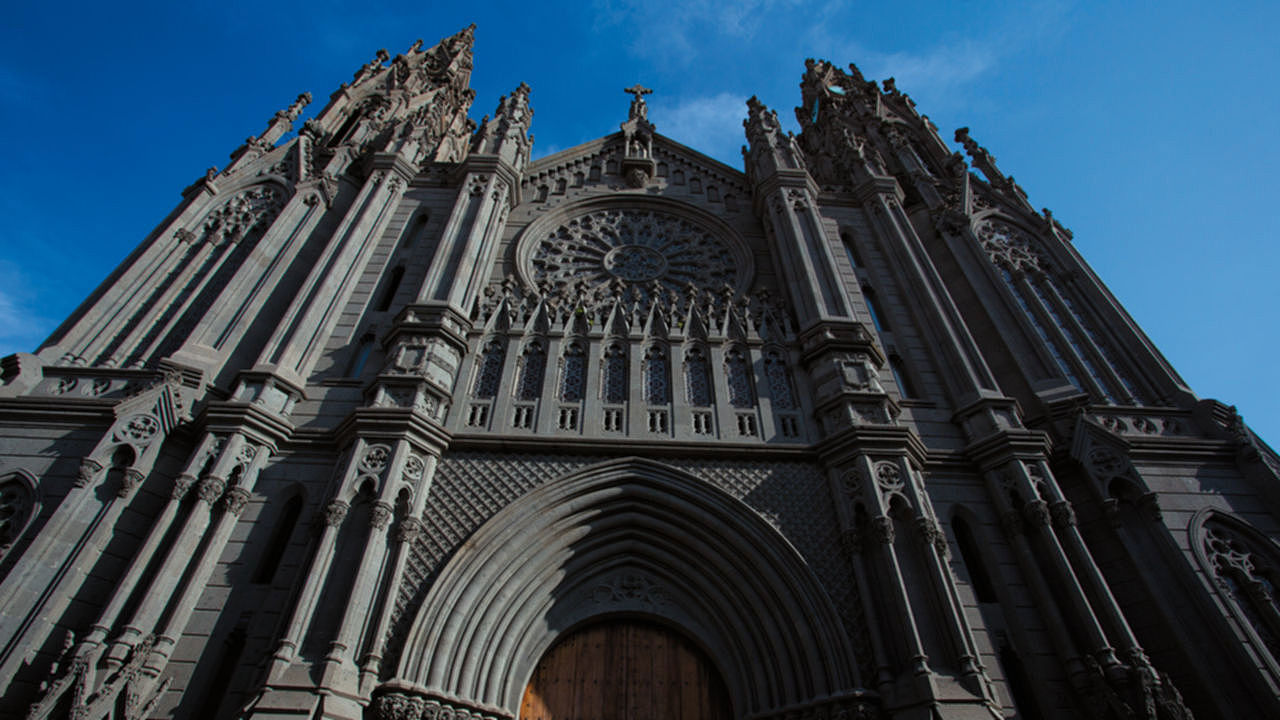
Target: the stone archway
pixel 629 537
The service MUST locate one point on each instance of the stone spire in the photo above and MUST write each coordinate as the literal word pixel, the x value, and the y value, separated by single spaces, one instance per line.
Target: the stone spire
pixel 507 133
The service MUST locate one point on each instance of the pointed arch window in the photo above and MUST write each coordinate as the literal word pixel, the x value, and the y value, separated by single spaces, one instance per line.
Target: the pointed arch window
pixel 775 372
pixel 1246 567
pixel 697 378
pixel 614 382
pixel 489 372
pixel 269 562
pixel 17 505
pixel 657 382
pixel 573 373
pixel 737 369
pixel 533 365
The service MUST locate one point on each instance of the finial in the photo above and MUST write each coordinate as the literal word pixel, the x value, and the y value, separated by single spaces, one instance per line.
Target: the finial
pixel 638 107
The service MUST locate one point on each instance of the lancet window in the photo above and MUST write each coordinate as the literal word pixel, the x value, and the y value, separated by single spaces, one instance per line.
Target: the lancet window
pixel 1079 349
pixel 697 378
pixel 533 364
pixel 1246 567
pixel 657 384
pixel 573 373
pixel 614 383
pixel 775 372
pixel 489 372
pixel 16 503
pixel 737 369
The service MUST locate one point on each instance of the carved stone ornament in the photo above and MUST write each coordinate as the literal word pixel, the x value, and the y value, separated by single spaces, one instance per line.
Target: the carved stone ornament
pixel 380 515
pixel 888 477
pixel 181 486
pixel 1036 513
pixel 851 481
pixel 1063 514
pixel 882 530
pixel 932 534
pixel 89 469
pixel 375 458
pixel 335 512
pixel 1010 248
pixel 642 251
pixel 413 468
pixel 210 489
pixel 408 530
pixel 138 429
pixel 235 499
pixel 636 588
pixel 1105 463
pixel 132 478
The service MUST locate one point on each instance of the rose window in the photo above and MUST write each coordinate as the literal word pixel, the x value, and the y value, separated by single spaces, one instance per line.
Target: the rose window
pixel 639 250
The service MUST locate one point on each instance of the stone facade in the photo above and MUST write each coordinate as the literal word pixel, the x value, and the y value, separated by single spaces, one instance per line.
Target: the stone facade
pixel 383 409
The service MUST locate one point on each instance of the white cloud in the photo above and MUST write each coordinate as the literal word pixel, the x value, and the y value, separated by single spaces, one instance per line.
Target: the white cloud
pixel 676 30
pixel 708 124
pixel 21 327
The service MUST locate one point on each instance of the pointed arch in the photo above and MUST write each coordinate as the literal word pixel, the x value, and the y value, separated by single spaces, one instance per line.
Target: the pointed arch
pixel 628 537
pixel 657 375
pixel 1244 565
pixel 697 376
pixel 18 506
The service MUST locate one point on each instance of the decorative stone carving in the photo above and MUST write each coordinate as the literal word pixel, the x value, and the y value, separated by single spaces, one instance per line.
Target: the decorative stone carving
pixel 335 512
pixel 375 459
pixel 130 479
pixel 1063 514
pixel 630 587
pixel 243 212
pixel 181 486
pixel 413 468
pixel 645 252
pixel 851 481
pixel 932 534
pixel 1010 248
pixel 882 530
pixel 210 489
pixel 89 469
pixel 380 515
pixel 1036 513
pixel 138 429
pixel 888 477
pixel 234 500
pixel 408 530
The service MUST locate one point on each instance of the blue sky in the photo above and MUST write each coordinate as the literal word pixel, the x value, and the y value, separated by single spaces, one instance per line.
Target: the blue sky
pixel 1148 128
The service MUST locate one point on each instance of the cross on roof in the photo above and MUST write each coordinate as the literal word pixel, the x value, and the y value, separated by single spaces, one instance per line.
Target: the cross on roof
pixel 637 90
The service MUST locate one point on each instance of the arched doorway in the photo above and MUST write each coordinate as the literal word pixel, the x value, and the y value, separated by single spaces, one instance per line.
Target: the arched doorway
pixel 625 670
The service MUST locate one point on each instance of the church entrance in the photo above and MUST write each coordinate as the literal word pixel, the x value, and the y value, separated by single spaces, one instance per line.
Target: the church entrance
pixel 625 670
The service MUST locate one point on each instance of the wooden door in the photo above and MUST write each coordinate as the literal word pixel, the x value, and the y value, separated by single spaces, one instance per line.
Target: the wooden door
pixel 624 670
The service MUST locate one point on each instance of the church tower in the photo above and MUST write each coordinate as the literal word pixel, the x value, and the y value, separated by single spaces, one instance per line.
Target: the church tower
pixel 387 420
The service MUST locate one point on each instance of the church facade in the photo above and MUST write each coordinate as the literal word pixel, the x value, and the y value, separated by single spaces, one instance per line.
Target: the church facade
pixel 386 420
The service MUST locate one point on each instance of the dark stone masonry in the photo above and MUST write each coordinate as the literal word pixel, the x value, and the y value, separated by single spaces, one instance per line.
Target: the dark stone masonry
pixel 386 420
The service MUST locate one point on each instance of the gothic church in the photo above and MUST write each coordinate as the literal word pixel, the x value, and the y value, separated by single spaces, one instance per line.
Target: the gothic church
pixel 386 420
